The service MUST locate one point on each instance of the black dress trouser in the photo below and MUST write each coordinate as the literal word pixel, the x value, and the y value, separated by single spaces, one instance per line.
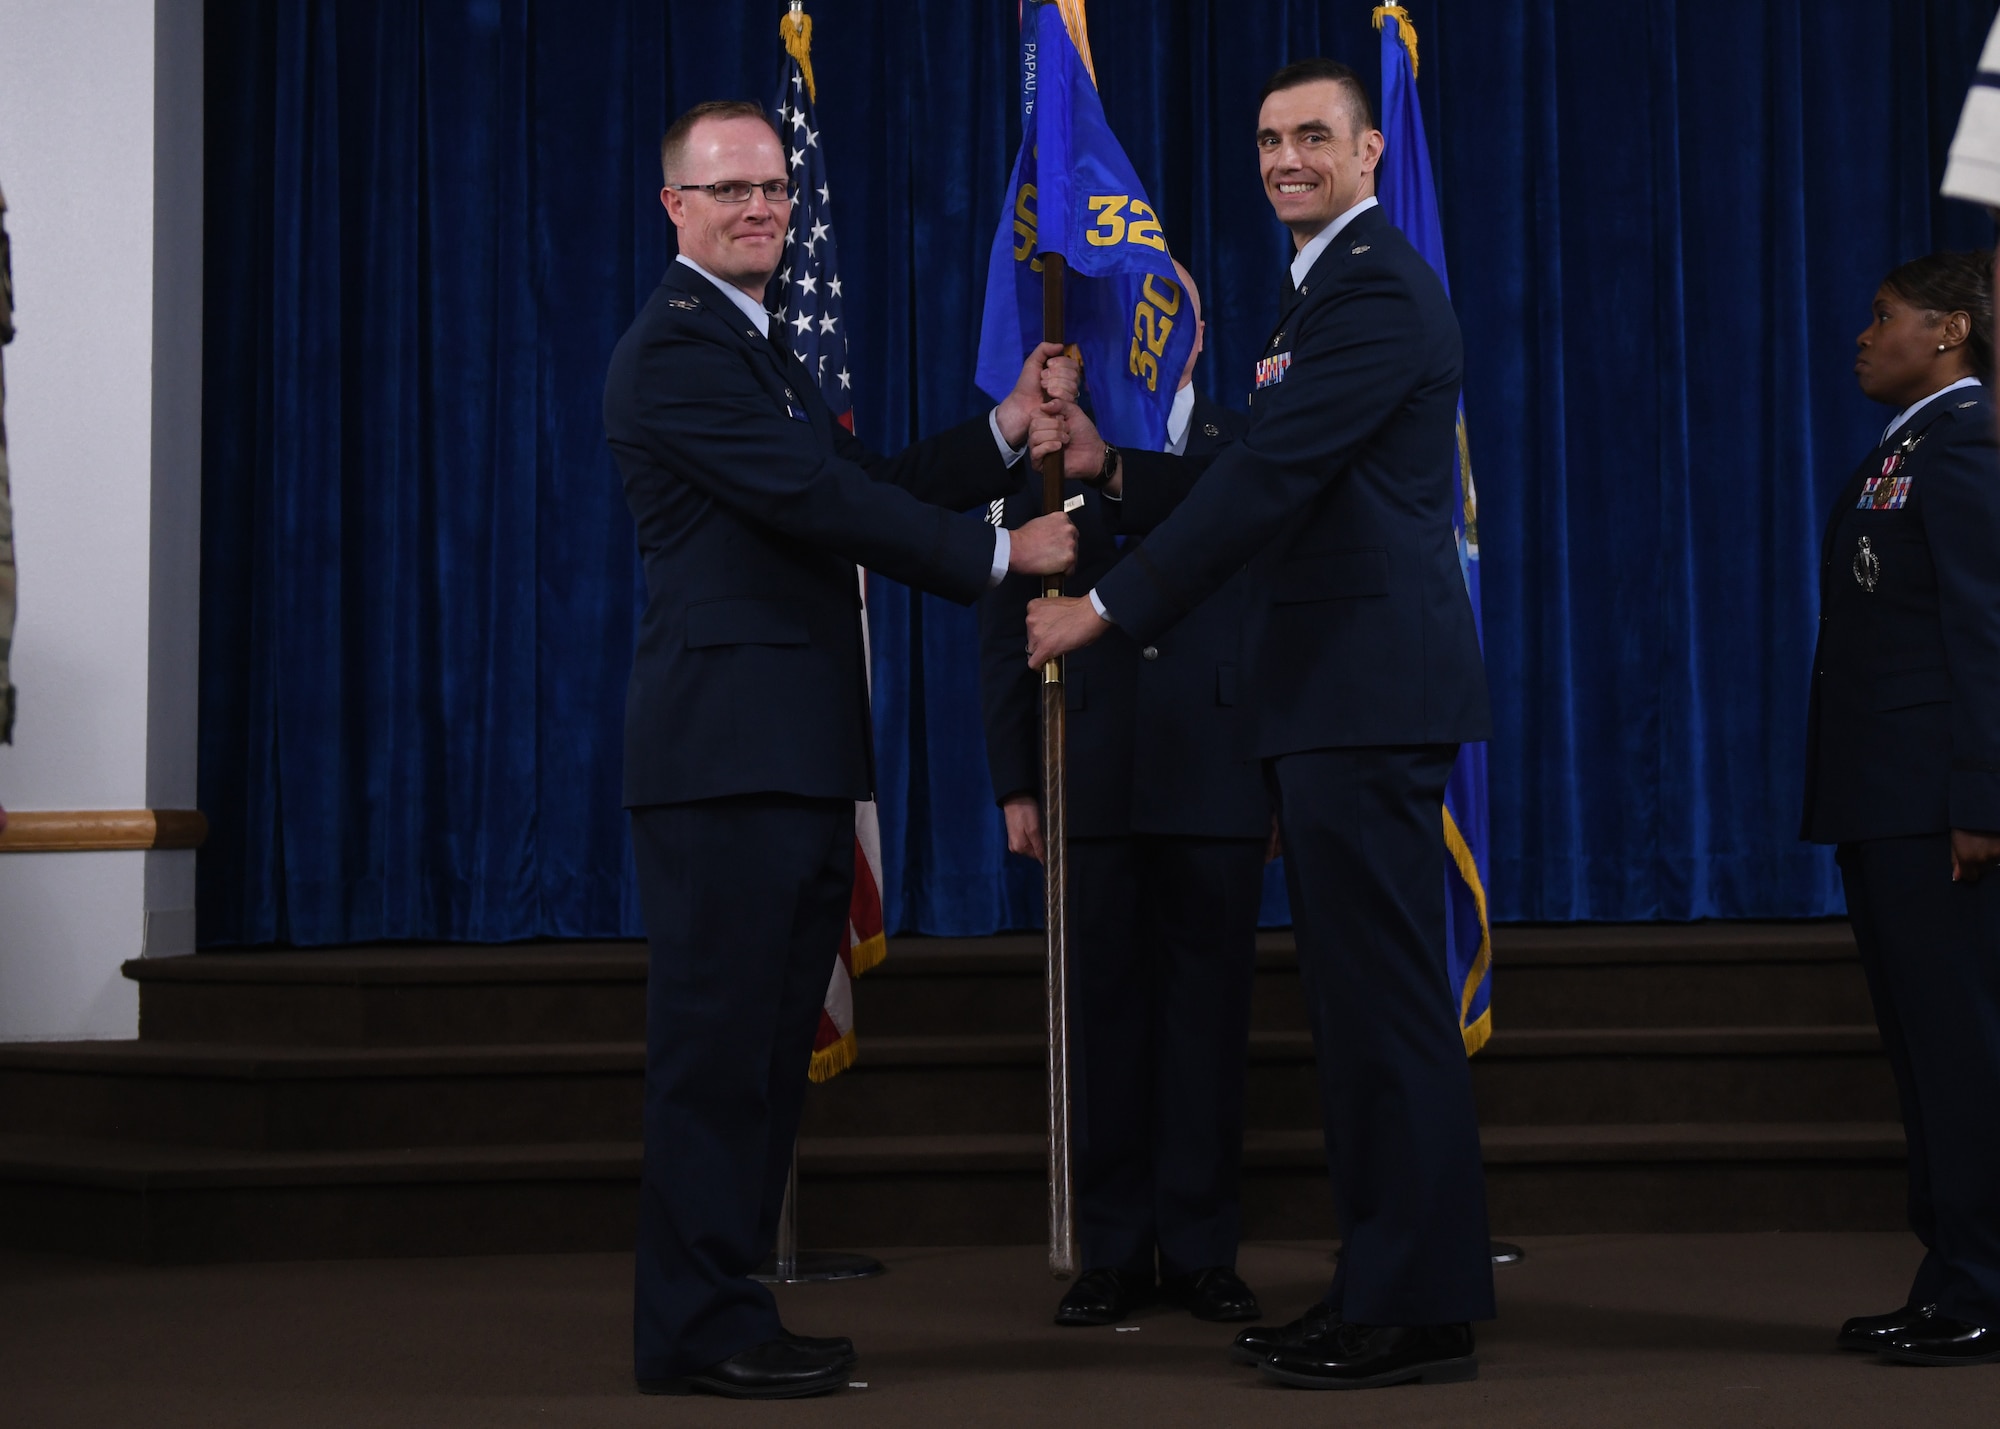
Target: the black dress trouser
pixel 1164 944
pixel 1931 950
pixel 745 901
pixel 1364 861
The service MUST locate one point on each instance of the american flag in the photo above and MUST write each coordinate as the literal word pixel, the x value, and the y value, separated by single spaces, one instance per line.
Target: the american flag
pixel 805 298
pixel 807 288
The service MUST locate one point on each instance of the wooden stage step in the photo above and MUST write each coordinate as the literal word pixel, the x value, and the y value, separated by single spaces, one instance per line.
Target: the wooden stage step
pixel 453 1100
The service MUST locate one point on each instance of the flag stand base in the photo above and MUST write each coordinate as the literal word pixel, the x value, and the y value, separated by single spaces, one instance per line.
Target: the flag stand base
pixel 1506 1254
pixel 788 1265
pixel 809 1267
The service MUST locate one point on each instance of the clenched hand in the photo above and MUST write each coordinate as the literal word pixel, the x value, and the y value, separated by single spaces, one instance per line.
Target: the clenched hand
pixel 1046 546
pixel 1060 624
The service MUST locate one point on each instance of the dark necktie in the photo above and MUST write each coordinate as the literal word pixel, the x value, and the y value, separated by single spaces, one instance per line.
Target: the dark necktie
pixel 780 334
pixel 1288 298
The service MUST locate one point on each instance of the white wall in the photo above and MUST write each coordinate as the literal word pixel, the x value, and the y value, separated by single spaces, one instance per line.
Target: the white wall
pixel 100 159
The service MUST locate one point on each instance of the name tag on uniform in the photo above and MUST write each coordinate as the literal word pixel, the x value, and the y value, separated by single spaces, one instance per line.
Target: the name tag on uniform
pixel 1889 490
pixel 1271 370
pixel 792 410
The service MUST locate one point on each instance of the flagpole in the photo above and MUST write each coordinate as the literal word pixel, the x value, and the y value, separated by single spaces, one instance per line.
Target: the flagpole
pixel 1055 865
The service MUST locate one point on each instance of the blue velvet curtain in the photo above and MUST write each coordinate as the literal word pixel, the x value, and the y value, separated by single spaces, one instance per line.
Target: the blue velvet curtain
pixel 429 221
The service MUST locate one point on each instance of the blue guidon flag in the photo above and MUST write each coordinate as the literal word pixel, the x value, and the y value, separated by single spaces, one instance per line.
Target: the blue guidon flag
pixel 1074 192
pixel 1410 201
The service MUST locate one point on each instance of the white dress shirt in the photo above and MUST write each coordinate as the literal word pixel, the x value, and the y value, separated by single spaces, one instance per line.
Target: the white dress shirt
pixel 1178 418
pixel 1916 407
pixel 1003 544
pixel 1317 244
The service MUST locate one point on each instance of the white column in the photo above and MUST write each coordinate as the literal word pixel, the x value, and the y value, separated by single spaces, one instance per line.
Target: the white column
pixel 101 162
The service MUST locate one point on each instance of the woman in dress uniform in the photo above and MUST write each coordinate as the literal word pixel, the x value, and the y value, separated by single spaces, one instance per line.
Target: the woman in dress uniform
pixel 1903 774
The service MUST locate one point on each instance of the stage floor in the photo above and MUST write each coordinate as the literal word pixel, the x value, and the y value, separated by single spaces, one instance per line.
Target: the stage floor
pixel 1708 1330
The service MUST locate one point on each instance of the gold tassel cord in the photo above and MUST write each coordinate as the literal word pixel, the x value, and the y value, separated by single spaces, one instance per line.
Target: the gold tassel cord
pixel 1405 31
pixel 1079 33
pixel 1478 1031
pixel 795 28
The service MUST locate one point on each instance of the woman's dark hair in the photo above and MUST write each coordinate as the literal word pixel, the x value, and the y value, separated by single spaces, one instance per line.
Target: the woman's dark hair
pixel 1941 283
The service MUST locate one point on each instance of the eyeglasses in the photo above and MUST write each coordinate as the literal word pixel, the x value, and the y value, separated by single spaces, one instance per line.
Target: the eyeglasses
pixel 775 191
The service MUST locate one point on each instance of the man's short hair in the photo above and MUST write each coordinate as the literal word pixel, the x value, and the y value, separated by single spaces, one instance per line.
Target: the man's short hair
pixel 673 143
pixel 1314 71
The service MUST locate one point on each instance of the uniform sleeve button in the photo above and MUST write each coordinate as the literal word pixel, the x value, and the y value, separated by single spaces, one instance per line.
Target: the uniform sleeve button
pixel 1151 652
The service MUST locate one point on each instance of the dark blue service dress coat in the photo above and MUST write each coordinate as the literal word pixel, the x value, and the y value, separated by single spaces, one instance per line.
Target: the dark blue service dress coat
pixel 1903 745
pixel 1364 677
pixel 746 744
pixel 753 507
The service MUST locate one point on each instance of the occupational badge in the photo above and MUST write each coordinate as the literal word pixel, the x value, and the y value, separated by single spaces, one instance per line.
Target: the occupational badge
pixel 1867 566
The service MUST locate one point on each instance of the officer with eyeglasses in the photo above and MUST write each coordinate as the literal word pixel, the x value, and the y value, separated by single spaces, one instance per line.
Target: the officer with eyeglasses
pixel 747 737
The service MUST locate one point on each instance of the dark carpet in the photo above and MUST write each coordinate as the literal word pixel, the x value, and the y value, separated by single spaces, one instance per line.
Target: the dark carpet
pixel 1702 1330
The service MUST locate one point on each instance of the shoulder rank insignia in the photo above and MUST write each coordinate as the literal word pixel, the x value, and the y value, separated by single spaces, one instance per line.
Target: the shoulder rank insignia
pixel 1867 566
pixel 1358 248
pixel 686 305
pixel 1963 405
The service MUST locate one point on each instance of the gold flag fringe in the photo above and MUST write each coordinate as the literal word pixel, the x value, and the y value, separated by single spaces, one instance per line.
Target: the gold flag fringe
pixel 866 955
pixel 795 28
pixel 830 1062
pixel 1079 33
pixel 1405 31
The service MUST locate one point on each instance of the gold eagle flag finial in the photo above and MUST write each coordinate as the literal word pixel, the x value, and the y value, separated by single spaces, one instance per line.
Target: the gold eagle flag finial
pixel 1405 31
pixel 795 28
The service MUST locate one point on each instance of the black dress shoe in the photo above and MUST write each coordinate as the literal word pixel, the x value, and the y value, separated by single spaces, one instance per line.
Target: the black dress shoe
pixel 776 1369
pixel 1869 1333
pixel 1217 1293
pixel 1103 1297
pixel 1370 1356
pixel 1258 1343
pixel 834 1347
pixel 1939 1340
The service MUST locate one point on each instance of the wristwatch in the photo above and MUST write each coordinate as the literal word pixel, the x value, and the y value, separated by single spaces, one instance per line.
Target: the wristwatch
pixel 1106 471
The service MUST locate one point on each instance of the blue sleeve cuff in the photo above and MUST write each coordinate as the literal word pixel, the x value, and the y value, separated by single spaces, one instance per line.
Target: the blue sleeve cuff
pixel 1003 551
pixel 1098 606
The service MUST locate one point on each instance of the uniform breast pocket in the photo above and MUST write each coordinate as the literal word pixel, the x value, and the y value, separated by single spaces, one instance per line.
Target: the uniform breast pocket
pixel 744 621
pixel 1336 575
pixel 1905 689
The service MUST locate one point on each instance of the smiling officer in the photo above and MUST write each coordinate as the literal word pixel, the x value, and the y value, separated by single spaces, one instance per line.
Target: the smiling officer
pixel 747 732
pixel 1366 677
pixel 1903 774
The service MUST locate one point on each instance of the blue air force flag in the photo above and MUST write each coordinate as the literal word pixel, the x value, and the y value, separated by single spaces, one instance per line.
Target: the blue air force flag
pixel 1074 192
pixel 1410 201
